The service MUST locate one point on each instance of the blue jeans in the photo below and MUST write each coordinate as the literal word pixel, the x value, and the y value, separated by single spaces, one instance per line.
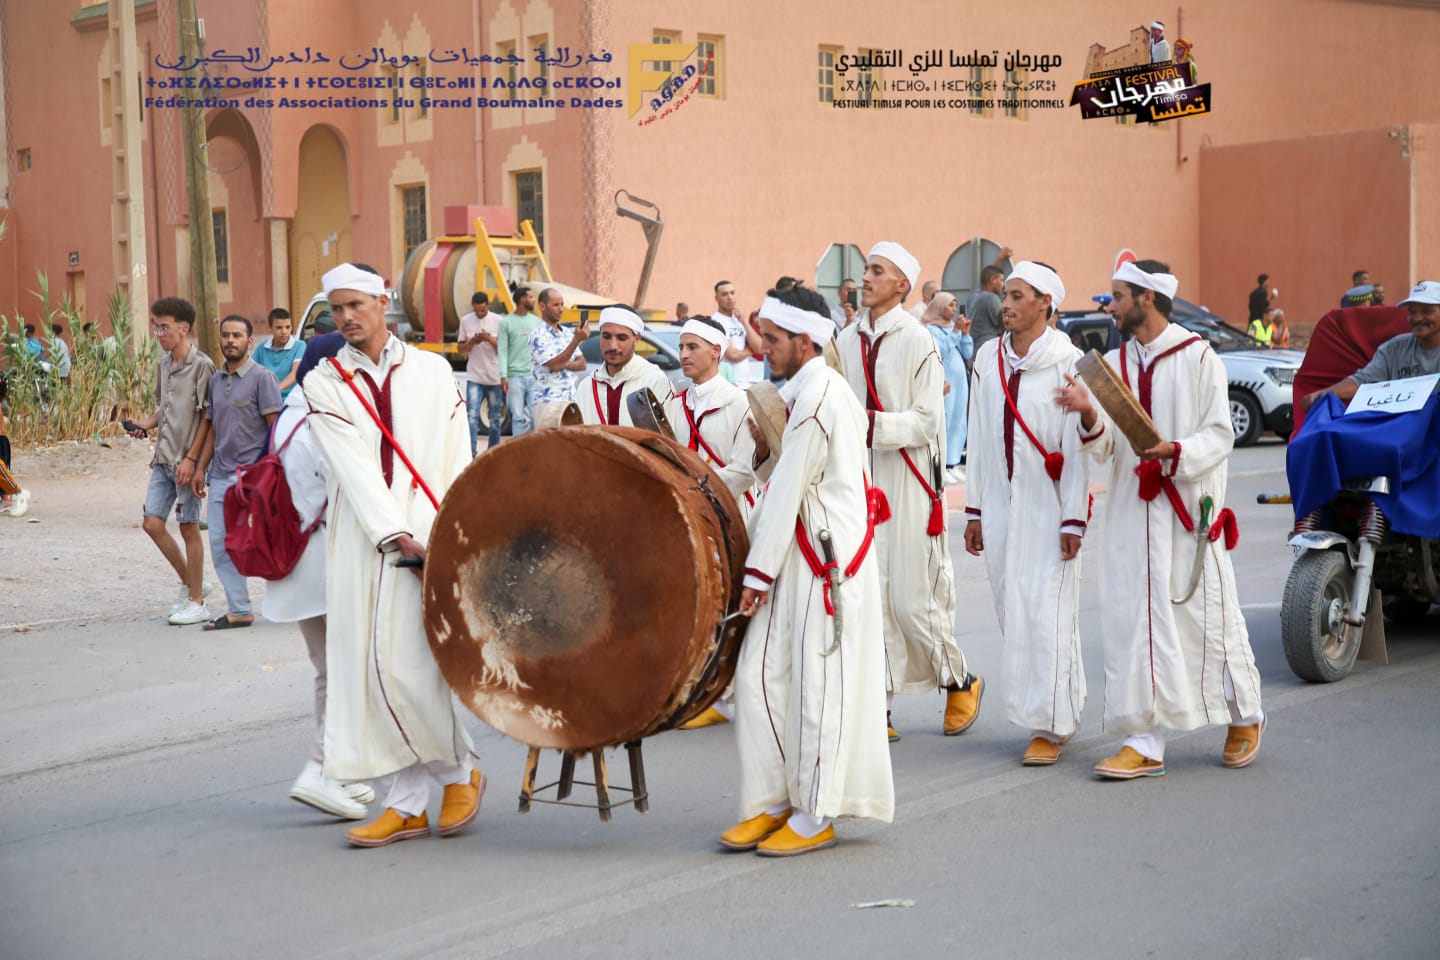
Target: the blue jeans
pixel 237 588
pixel 521 398
pixel 493 397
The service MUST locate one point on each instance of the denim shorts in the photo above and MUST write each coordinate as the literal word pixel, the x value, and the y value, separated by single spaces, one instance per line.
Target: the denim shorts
pixel 163 492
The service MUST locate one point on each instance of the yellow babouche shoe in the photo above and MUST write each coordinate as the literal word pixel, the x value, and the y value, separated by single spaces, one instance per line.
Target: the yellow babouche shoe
pixel 461 804
pixel 1129 764
pixel 787 843
pixel 709 718
pixel 1041 753
pixel 744 836
pixel 389 827
pixel 962 707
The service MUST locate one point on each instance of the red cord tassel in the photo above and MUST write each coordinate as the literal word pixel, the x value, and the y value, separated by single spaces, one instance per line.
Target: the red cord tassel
pixel 1149 473
pixel 1054 463
pixel 878 504
pixel 1228 525
pixel 937 518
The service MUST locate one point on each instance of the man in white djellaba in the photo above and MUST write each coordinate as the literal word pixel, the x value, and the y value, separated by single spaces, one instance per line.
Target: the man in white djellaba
pixel 892 366
pixel 712 418
pixel 299 597
pixel 1177 652
pixel 602 396
pixel 388 709
pixel 809 697
pixel 1027 506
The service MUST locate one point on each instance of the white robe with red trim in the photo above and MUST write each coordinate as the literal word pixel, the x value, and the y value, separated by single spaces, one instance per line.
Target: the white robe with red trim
pixel 810 729
pixel 387 706
pixel 637 373
pixel 721 411
pixel 1021 512
pixel 917 582
pixel 1165 663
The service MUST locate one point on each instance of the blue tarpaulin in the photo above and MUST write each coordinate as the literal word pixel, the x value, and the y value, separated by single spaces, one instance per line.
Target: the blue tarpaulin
pixel 1334 446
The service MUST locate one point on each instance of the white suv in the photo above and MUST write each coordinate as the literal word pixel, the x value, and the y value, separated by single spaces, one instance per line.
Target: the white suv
pixel 1261 380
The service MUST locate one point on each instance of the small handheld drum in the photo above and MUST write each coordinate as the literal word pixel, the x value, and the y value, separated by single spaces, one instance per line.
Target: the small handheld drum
pixel 552 620
pixel 1118 402
pixel 770 413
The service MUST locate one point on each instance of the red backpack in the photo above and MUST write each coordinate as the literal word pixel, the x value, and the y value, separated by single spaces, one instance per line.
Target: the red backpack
pixel 262 527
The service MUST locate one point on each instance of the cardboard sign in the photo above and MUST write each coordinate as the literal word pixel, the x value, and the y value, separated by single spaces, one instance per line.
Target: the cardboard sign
pixel 1393 396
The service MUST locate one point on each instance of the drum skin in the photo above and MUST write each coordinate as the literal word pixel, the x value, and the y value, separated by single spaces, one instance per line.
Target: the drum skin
pixel 574 579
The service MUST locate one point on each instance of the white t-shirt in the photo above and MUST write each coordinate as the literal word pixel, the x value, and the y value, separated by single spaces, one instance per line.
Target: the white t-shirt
pixel 749 370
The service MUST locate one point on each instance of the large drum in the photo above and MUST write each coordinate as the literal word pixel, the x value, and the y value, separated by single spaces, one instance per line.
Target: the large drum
pixel 576 581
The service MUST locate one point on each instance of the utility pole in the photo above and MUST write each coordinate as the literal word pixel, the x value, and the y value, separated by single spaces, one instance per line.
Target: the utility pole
pixel 127 217
pixel 197 187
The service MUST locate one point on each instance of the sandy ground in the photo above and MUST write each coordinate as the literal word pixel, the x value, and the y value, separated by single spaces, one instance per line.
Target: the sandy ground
pixel 80 552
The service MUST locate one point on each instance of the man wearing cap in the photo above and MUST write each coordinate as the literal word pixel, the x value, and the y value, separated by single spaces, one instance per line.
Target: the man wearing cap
pixel 1412 354
pixel 895 372
pixel 1027 506
pixel 602 395
pixel 388 709
pixel 1174 658
pixel 712 418
pixel 808 704
pixel 1159 46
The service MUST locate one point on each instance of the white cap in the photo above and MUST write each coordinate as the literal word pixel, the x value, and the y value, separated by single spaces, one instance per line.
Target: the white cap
pixel 624 317
pixel 819 328
pixel 706 332
pixel 902 259
pixel 347 276
pixel 1162 283
pixel 1157 25
pixel 1042 278
pixel 1426 291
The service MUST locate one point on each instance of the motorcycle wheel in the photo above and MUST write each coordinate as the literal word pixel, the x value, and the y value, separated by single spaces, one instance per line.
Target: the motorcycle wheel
pixel 1316 644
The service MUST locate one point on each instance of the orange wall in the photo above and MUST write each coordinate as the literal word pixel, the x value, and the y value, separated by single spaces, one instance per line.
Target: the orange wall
pixel 1308 212
pixel 759 183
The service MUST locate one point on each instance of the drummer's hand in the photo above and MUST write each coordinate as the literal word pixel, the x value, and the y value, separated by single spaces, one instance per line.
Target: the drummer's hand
pixel 751 600
pixel 1069 546
pixel 1164 450
pixel 974 541
pixel 762 446
pixel 411 549
pixel 1308 400
pixel 1076 399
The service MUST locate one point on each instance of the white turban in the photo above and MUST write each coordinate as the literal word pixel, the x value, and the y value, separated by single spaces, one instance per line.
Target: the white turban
pixel 1042 278
pixel 1162 283
pixel 1157 25
pixel 624 317
pixel 819 328
pixel 347 276
pixel 902 259
pixel 704 331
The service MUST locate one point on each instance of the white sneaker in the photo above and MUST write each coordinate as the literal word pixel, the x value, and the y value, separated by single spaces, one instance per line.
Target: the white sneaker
pixel 313 789
pixel 183 597
pixel 19 504
pixel 191 612
pixel 362 792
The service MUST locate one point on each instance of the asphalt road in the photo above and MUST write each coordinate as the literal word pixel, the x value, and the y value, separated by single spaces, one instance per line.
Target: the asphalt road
pixel 144 773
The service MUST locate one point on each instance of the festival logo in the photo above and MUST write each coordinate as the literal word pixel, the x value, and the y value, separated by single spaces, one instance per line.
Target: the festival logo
pixel 663 77
pixel 1148 78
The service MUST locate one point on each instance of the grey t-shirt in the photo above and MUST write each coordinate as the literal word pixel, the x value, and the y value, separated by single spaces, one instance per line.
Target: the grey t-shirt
pixel 1398 358
pixel 983 312
pixel 239 402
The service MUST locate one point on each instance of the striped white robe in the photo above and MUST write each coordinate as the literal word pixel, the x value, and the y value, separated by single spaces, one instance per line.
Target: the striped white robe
pixel 636 374
pixel 1165 663
pixel 810 729
pixel 1037 595
pixel 387 705
pixel 917 580
pixel 721 411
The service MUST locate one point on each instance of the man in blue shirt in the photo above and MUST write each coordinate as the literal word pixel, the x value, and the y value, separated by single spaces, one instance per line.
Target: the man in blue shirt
pixel 282 353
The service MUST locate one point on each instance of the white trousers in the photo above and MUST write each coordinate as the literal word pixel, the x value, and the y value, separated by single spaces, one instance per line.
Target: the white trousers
pixel 410 791
pixel 1151 743
pixel 313 630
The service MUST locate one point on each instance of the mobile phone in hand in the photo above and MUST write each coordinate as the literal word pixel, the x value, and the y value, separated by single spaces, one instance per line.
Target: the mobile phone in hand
pixel 132 427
